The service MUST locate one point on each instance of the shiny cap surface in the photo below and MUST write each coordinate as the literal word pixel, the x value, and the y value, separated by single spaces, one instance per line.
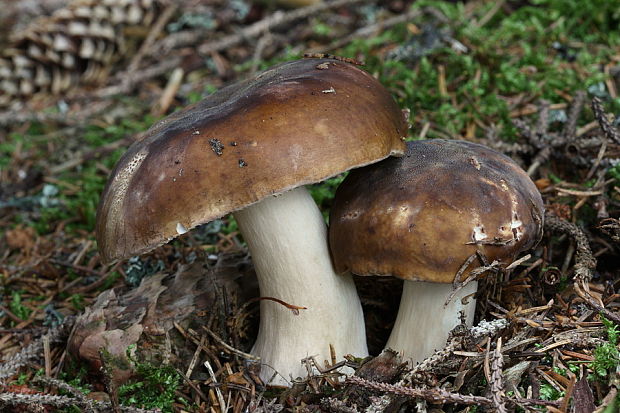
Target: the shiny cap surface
pixel 421 216
pixel 297 123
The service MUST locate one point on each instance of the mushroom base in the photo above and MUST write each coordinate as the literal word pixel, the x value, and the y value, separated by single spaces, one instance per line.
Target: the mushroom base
pixel 424 321
pixel 287 237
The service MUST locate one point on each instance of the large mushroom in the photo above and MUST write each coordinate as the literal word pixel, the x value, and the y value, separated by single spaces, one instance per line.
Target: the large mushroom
pixel 244 150
pixel 421 218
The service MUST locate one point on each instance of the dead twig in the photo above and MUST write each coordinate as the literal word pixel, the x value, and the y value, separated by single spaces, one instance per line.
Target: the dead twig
pixel 229 347
pixel 156 29
pixel 32 400
pixel 570 127
pixel 252 31
pixel 435 395
pixel 11 365
pixel 595 305
pixel 599 113
pixel 368 31
pixel 585 263
pixel 129 80
pixel 337 406
pixel 496 361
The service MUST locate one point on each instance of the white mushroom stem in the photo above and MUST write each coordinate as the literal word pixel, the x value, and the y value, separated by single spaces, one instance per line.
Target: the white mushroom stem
pixel 287 237
pixel 424 321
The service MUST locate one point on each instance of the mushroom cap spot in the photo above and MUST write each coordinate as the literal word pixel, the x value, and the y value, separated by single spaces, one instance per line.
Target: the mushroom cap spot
pixel 453 211
pixel 285 130
pixel 181 229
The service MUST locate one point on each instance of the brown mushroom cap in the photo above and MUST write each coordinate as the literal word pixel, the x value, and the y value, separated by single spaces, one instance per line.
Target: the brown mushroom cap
pixel 297 123
pixel 421 216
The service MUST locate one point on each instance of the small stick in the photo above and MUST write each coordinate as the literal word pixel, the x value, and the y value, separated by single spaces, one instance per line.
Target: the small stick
pixel 271 21
pixel 194 361
pixel 497 380
pixel 229 347
pixel 599 114
pixel 437 395
pixel 570 128
pixel 218 392
pixel 47 356
pixel 131 79
pixel 457 284
pixel 156 29
pixel 168 96
pixel 370 30
pixel 585 263
pixel 262 43
pixel 192 385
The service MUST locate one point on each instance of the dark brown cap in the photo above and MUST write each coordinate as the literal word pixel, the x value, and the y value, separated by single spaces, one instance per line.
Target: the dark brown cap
pixel 421 216
pixel 297 123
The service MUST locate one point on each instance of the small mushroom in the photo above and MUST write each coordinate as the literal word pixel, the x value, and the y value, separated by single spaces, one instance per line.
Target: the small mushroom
pixel 287 134
pixel 421 217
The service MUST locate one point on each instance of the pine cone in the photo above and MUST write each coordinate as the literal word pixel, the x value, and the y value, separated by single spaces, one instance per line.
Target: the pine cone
pixel 75 44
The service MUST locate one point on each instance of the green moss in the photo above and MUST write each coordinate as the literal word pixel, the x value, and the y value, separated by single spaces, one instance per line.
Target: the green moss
pixel 606 356
pixel 77 301
pixel 76 192
pixel 535 51
pixel 17 307
pixel 548 392
pixel 75 375
pixel 154 388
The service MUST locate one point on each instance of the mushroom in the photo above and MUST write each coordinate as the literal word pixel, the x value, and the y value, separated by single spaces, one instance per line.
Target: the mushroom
pixel 425 218
pixel 249 149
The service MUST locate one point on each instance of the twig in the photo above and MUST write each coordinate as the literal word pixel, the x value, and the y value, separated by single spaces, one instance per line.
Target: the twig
pixel 598 160
pixel 484 328
pixel 174 82
pixel 95 153
pixel 607 400
pixel 370 30
pixel 435 395
pixel 599 114
pixel 12 117
pixel 47 355
pixel 262 43
pixel 337 406
pixel 152 36
pixel 497 380
pixel 570 128
pixel 489 15
pixel 10 366
pixel 61 385
pixel 218 392
pixel 129 80
pixel 276 19
pixel 569 391
pixel 229 347
pixel 457 284
pixel 592 303
pixel 16 399
pixel 585 263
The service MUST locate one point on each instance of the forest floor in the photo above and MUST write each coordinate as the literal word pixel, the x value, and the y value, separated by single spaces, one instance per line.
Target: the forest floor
pixel 536 80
